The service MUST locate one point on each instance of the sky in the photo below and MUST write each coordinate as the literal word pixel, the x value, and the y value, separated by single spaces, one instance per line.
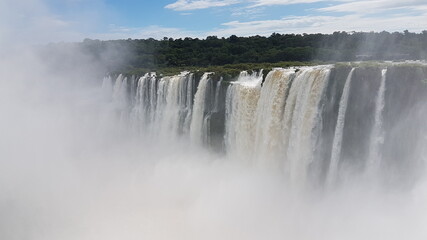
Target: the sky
pixel 74 20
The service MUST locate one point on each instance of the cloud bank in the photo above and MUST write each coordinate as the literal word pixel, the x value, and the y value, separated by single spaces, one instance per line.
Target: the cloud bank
pixel 329 16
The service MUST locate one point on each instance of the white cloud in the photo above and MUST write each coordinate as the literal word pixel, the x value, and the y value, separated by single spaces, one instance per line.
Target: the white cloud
pixel 322 24
pixel 363 6
pixel 259 3
pixel 32 21
pixel 290 24
pixel 377 6
pixel 186 5
pixel 266 27
pixel 401 15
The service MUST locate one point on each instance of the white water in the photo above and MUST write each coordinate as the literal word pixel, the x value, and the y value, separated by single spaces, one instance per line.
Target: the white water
pixel 217 91
pixel 241 105
pixel 301 117
pixel 61 179
pixel 269 116
pixel 163 106
pixel 169 122
pixel 276 126
pixel 152 98
pixel 119 92
pixel 336 146
pixel 107 86
pixel 197 126
pixel 268 129
pixel 186 101
pixel 140 110
pixel 120 100
pixel 377 135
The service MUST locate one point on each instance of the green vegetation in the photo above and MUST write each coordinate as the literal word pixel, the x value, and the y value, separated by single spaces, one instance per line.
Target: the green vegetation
pixel 169 56
pixel 227 71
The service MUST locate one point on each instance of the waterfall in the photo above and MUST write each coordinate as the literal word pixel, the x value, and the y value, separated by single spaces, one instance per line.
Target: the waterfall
pixel 120 99
pixel 140 109
pixel 269 115
pixel 169 107
pixel 185 99
pixel 217 91
pixel 164 105
pixel 197 128
pixel 309 124
pixel 336 145
pixel 107 86
pixel 119 92
pixel 241 105
pixel 300 120
pixel 151 99
pixel 377 136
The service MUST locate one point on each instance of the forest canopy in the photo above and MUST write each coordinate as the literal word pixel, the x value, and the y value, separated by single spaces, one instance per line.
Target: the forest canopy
pixel 131 54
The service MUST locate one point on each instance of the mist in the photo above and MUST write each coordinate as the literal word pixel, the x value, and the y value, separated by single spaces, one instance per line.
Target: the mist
pixel 70 168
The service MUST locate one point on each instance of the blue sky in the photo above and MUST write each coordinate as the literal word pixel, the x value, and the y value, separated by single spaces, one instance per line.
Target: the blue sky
pixel 74 20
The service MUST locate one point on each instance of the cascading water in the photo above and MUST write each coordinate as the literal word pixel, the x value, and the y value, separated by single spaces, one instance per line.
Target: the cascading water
pixel 336 145
pixel 163 105
pixel 241 106
pixel 120 99
pixel 297 122
pixel 141 108
pixel 269 116
pixel 377 136
pixel 300 120
pixel 107 86
pixel 217 93
pixel 197 127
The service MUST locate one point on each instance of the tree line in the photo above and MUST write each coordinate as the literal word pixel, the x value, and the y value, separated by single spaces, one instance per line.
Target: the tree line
pixel 214 51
